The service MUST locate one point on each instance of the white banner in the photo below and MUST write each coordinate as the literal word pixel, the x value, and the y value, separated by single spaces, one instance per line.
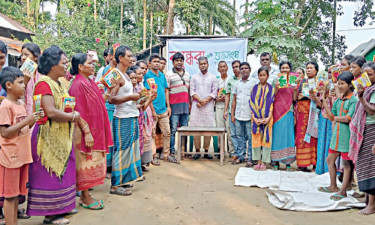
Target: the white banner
pixel 216 50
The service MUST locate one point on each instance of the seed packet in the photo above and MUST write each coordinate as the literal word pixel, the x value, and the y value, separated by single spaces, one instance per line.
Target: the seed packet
pixel 335 73
pixel 37 102
pixel 293 79
pixel 115 46
pixel 222 91
pixel 29 67
pixel 94 55
pixel 106 79
pixel 283 80
pixel 152 84
pixel 305 90
pixel 68 104
pixel 312 84
pixel 363 80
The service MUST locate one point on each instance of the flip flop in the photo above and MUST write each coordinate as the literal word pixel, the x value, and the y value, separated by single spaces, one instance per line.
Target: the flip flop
pixel 92 206
pixel 275 167
pixel 289 169
pixel 325 190
pixel 337 197
pixel 262 168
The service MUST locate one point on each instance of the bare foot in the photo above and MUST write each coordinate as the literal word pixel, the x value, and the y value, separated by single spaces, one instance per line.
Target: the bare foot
pixel 367 211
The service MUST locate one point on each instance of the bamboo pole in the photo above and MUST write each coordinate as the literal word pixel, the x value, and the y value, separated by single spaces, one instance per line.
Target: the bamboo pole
pixel 144 23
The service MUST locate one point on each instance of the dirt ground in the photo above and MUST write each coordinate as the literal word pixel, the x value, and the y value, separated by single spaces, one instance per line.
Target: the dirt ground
pixel 197 192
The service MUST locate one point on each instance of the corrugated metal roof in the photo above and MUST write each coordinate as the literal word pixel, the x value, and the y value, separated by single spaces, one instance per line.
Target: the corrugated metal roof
pixel 363 48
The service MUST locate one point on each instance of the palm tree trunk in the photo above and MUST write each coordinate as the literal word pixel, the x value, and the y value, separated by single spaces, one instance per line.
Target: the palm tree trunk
pixel 170 19
pixel 151 25
pixel 246 12
pixel 122 15
pixel 144 23
pixel 95 10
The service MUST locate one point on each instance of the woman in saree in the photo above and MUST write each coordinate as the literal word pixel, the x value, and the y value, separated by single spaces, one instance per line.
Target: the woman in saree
pixel 362 148
pixel 283 146
pixel 52 175
pixel 307 116
pixel 90 162
pixel 30 51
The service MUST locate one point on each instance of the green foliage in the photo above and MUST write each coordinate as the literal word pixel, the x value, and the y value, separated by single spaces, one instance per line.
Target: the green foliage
pixel 300 32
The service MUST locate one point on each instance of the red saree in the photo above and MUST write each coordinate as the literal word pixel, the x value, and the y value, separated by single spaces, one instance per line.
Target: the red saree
pixel 90 163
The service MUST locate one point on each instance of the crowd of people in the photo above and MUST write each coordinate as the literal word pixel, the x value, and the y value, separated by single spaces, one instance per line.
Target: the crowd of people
pixel 53 153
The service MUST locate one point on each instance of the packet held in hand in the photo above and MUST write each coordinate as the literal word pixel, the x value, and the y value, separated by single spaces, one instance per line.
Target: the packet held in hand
pixel 335 73
pixel 312 84
pixel 363 80
pixel 152 84
pixel 293 79
pixel 283 80
pixel 106 79
pixel 93 55
pixel 29 67
pixel 37 102
pixel 68 104
pixel 222 91
pixel 305 90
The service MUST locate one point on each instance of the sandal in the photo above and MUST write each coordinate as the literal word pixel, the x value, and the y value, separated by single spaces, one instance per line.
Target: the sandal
pixel 74 211
pixel 143 178
pixel 56 220
pixel 289 168
pixel 262 168
pixel 256 167
pixel 155 161
pixel 249 164
pixel 93 205
pixel 233 158
pixel 21 214
pixel 337 197
pixel 237 161
pixel 145 169
pixel 121 191
pixel 275 168
pixel 127 186
pixel 171 159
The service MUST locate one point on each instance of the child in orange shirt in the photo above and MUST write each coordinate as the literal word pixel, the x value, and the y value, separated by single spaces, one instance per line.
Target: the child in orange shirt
pixel 15 142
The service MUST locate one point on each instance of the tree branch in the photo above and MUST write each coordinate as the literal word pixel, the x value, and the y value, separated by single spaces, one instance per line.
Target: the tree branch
pixel 301 6
pixel 313 11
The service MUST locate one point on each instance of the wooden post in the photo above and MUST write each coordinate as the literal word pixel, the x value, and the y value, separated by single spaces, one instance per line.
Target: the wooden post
pixel 151 24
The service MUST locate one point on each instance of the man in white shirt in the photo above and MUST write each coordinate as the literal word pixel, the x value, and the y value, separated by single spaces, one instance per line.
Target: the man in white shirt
pixel 241 115
pixel 265 60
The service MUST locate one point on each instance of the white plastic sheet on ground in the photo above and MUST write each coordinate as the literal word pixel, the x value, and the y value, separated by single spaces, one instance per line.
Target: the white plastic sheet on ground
pixel 296 191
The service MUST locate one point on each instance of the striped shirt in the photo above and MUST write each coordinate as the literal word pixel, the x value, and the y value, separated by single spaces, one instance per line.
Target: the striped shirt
pixel 178 91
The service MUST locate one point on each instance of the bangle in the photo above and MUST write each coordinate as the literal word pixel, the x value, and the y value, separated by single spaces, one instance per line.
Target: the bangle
pixel 84 127
pixel 74 116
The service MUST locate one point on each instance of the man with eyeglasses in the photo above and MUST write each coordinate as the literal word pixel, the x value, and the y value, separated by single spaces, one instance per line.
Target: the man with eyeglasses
pixel 179 99
pixel 265 60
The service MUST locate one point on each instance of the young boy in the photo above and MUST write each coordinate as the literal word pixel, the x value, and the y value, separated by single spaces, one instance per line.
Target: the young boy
pixel 15 142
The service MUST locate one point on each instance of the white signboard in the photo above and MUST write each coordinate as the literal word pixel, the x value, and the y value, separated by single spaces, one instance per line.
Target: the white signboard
pixel 216 50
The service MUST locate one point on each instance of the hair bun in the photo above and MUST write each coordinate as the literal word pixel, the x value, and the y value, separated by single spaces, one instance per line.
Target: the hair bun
pixel 72 71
